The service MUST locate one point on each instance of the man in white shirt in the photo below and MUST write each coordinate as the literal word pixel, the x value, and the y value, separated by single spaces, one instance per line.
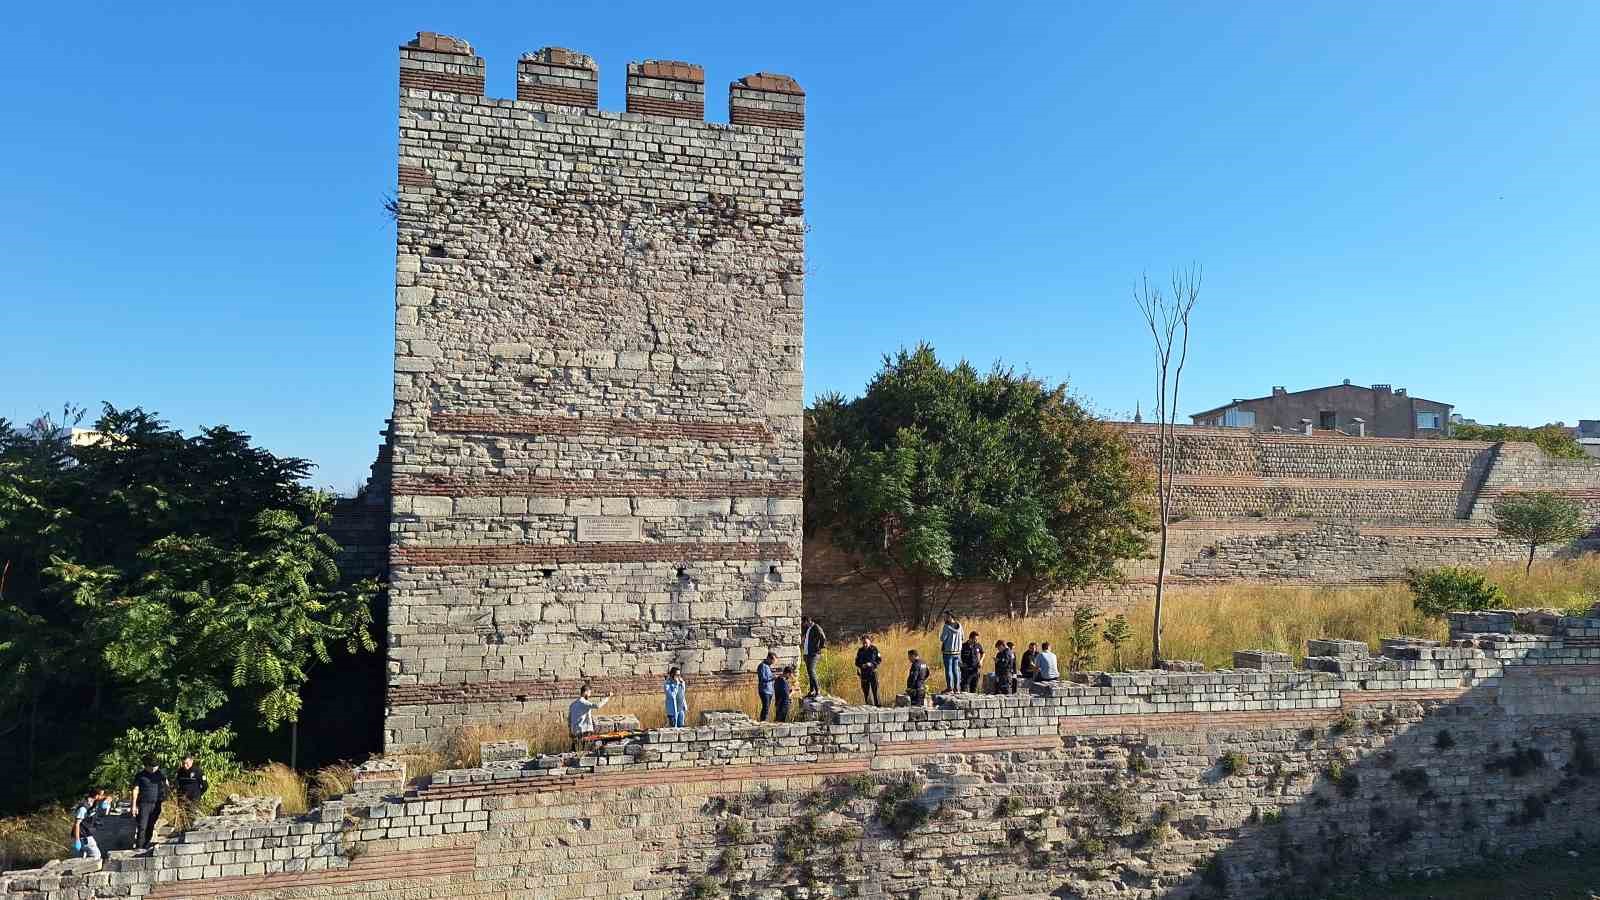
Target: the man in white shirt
pixel 580 715
pixel 1049 669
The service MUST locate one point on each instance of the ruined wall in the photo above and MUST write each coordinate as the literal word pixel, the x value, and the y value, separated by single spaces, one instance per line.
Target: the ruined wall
pixel 1289 508
pixel 1174 784
pixel 597 415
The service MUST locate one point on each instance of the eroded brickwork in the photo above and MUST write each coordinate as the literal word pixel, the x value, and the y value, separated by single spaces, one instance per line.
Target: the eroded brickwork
pixel 1136 786
pixel 597 438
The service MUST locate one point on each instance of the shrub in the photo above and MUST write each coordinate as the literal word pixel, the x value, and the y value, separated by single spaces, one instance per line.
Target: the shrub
pixel 704 886
pixel 1519 762
pixel 169 741
pixel 1118 806
pixel 1444 740
pixel 1008 807
pixel 1413 780
pixel 1232 763
pixel 1452 589
pixel 1138 763
pixel 735 830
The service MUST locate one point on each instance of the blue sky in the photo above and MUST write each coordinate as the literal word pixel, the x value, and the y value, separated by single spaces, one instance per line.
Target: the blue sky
pixel 1387 192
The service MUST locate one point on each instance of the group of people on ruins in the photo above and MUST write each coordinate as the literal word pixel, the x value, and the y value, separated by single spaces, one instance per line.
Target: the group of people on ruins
pixel 775 687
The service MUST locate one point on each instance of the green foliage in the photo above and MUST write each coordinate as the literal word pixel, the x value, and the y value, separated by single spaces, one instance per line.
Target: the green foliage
pixel 1552 439
pixel 1413 780
pixel 1519 762
pixel 1117 634
pixel 1081 639
pixel 157 582
pixel 1444 740
pixel 703 887
pixel 1452 589
pixel 938 473
pixel 1540 517
pixel 1118 805
pixel 1343 778
pixel 1232 763
pixel 1009 805
pixel 735 830
pixel 169 742
pixel 900 808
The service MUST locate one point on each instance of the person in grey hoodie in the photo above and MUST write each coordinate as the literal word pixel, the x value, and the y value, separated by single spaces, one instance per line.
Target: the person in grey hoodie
pixel 950 647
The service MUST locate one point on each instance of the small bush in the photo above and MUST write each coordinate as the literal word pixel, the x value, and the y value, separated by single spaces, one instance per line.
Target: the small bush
pixel 1413 780
pixel 1444 740
pixel 729 861
pixel 899 810
pixel 1138 763
pixel 1519 762
pixel 1090 847
pixel 735 830
pixel 703 887
pixel 856 787
pixel 1232 763
pixel 1452 589
pixel 1008 807
pixel 1342 778
pixel 1118 806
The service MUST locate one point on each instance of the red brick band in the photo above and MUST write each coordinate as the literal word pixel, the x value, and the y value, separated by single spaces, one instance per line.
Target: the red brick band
pixel 1353 699
pixel 1325 438
pixel 1571 493
pixel 1463 530
pixel 1320 484
pixel 1195 721
pixel 556 689
pixel 415 176
pixel 598 552
pixel 1556 670
pixel 559 94
pixel 607 781
pixel 571 426
pixel 974 745
pixel 673 488
pixel 444 82
pixel 766 118
pixel 676 109
pixel 367 867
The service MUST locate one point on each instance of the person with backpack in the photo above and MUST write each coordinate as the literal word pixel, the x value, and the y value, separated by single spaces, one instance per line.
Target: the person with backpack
pixel 971 663
pixel 950 648
pixel 149 790
pixel 191 782
pixel 812 640
pixel 867 661
pixel 781 689
pixel 84 819
pixel 916 679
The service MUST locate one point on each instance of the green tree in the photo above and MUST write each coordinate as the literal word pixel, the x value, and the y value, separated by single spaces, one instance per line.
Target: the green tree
pixel 1446 589
pixel 1540 517
pixel 1552 439
pixel 149 575
pixel 1081 639
pixel 938 474
pixel 1117 634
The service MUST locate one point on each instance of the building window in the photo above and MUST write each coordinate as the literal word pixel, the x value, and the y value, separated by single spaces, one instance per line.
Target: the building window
pixel 1428 420
pixel 1239 418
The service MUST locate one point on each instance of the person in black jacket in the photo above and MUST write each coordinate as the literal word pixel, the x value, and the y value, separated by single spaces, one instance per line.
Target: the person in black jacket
pixel 1005 668
pixel 971 663
pixel 149 790
pixel 916 679
pixel 867 661
pixel 1030 665
pixel 781 688
pixel 812 640
pixel 190 781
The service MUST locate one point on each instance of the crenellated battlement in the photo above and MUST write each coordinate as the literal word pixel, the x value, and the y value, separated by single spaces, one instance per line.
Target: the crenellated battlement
pixel 568 80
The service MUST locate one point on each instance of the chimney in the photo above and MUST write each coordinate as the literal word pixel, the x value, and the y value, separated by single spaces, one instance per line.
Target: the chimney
pixel 1305 427
pixel 1278 390
pixel 1361 427
pixel 1381 388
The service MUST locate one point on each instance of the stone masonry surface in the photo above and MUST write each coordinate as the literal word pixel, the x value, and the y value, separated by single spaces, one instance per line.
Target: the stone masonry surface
pixel 1135 785
pixel 597 411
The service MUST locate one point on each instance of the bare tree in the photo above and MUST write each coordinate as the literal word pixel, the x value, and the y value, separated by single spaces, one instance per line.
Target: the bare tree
pixel 1167 314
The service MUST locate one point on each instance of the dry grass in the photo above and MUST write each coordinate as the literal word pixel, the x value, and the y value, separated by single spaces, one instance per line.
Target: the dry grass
pixel 30 841
pixel 1572 585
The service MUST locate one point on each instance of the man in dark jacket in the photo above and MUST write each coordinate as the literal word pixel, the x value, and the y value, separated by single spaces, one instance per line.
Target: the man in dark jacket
pixel 812 640
pixel 916 679
pixel 867 661
pixel 971 663
pixel 781 688
pixel 149 790
pixel 190 781
pixel 764 680
pixel 1030 664
pixel 1005 668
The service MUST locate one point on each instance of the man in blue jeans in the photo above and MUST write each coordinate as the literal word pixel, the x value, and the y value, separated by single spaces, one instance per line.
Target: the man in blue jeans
pixel 764 688
pixel 950 646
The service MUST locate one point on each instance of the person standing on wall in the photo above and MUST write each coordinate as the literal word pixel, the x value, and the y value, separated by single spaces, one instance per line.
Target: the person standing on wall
pixel 677 699
pixel 1005 668
pixel 764 680
pixel 812 640
pixel 580 715
pixel 950 648
pixel 867 661
pixel 149 789
pixel 916 679
pixel 971 663
pixel 190 781
pixel 781 690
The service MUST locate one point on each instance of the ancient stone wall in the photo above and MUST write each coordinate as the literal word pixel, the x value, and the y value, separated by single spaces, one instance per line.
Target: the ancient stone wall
pixel 1283 508
pixel 1168 784
pixel 597 414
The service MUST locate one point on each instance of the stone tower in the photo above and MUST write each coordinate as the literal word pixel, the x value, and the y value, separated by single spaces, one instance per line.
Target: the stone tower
pixel 597 393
